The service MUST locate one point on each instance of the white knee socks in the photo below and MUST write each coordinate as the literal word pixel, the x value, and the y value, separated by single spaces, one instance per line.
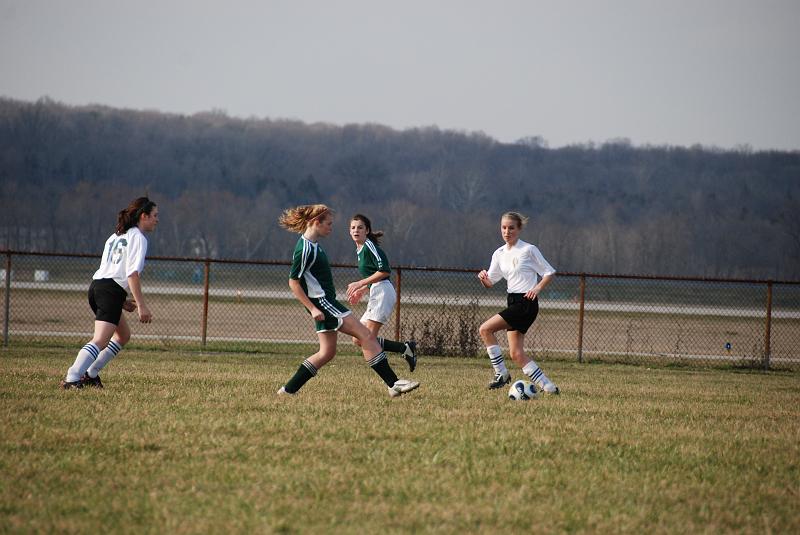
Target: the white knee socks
pixel 496 358
pixel 86 356
pixel 112 349
pixel 538 377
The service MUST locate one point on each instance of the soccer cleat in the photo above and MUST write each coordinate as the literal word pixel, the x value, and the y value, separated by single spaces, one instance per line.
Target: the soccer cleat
pixel 550 388
pixel 89 381
pixel 499 381
pixel 66 385
pixel 402 386
pixel 410 354
pixel 283 392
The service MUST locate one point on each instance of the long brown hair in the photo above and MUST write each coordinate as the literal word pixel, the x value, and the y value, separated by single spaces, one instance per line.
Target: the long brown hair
pixel 298 218
pixel 374 236
pixel 129 217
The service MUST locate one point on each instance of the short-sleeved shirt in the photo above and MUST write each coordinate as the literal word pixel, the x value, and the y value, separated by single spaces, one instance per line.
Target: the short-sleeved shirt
pixel 521 265
pixel 311 267
pixel 123 256
pixel 371 259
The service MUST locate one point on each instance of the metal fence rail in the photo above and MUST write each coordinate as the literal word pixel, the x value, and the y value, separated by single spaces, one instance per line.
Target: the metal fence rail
pixel 584 317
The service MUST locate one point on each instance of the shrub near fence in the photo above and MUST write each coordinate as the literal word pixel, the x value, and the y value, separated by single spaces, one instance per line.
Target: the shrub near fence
pixel 202 303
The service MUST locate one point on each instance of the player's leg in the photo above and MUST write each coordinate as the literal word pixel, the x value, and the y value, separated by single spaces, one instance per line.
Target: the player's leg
pixel 373 327
pixel 516 344
pixel 407 349
pixel 103 331
pixel 309 367
pixel 524 313
pixel 382 298
pixel 487 332
pixel 327 333
pixel 115 345
pixel 376 357
pixel 106 298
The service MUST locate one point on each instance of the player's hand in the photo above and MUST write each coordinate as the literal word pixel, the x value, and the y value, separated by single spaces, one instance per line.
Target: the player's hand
pixel 145 316
pixel 352 288
pixel 129 305
pixel 355 297
pixel 532 294
pixel 483 276
pixel 317 314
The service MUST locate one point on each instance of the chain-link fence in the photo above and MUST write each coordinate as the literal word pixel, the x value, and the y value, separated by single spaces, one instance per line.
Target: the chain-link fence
pixel 247 306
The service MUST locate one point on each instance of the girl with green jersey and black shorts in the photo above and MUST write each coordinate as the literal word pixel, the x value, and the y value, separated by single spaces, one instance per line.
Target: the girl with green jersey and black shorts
pixel 311 282
pixel 374 267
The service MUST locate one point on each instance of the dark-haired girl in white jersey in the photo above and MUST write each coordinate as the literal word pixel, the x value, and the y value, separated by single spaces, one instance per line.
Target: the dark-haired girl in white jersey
pixel 521 264
pixel 122 263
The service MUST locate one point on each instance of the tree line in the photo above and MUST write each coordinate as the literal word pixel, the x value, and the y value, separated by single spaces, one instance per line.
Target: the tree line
pixel 221 183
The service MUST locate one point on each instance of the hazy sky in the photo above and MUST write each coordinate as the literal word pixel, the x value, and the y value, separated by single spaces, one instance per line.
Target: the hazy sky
pixel 717 72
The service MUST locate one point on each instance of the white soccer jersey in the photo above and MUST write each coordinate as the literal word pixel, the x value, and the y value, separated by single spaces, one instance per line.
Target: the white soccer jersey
pixel 122 256
pixel 520 266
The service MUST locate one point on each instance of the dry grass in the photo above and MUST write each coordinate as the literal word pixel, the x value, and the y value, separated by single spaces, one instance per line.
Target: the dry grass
pixel 188 443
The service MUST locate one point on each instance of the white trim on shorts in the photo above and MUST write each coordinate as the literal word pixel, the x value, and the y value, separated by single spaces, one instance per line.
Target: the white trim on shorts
pixel 331 309
pixel 382 299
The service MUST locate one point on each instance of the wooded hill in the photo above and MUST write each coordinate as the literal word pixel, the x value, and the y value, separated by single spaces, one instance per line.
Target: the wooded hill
pixel 221 183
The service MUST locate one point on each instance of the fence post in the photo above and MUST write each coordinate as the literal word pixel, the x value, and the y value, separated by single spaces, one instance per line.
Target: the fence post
pixel 580 317
pixel 206 273
pixel 399 284
pixel 7 299
pixel 768 326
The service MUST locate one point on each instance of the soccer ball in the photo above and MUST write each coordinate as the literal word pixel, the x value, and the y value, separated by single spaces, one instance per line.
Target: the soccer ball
pixel 522 390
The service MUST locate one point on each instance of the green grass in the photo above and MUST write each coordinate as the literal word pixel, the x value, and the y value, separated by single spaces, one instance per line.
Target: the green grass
pixel 190 443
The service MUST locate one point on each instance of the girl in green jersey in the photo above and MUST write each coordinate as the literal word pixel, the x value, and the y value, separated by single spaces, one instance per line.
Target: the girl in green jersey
pixel 311 283
pixel 374 268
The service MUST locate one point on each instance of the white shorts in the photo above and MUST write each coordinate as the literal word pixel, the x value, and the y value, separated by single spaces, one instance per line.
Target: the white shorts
pixel 382 298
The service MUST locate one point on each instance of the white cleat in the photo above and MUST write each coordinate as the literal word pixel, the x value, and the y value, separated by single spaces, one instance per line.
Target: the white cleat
pixel 549 388
pixel 402 386
pixel 283 392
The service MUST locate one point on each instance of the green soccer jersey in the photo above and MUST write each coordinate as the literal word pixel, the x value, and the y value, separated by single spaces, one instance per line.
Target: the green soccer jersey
pixel 371 258
pixel 311 267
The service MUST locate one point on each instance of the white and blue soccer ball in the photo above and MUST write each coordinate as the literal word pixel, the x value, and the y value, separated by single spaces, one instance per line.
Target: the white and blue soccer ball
pixel 522 390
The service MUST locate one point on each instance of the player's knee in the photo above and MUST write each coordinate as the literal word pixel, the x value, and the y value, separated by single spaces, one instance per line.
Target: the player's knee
pixel 518 356
pixel 485 330
pixel 356 341
pixel 326 355
pixel 101 342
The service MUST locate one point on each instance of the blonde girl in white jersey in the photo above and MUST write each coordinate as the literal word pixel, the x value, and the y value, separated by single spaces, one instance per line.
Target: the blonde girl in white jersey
pixel 521 264
pixel 120 267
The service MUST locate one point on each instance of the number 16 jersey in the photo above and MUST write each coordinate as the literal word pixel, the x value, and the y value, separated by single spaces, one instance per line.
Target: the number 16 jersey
pixel 122 256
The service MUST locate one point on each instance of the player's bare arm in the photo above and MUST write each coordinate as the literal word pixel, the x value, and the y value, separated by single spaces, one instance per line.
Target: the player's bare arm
pixel 300 295
pixel 145 316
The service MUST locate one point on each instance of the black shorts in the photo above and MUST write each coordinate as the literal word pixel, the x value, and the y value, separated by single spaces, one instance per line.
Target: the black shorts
pixel 520 312
pixel 106 298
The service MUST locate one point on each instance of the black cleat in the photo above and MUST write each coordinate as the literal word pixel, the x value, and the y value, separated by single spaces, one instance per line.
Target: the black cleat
pixel 500 381
pixel 410 354
pixel 66 385
pixel 88 381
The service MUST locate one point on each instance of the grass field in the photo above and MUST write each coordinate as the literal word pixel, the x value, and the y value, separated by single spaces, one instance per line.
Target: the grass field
pixel 193 443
